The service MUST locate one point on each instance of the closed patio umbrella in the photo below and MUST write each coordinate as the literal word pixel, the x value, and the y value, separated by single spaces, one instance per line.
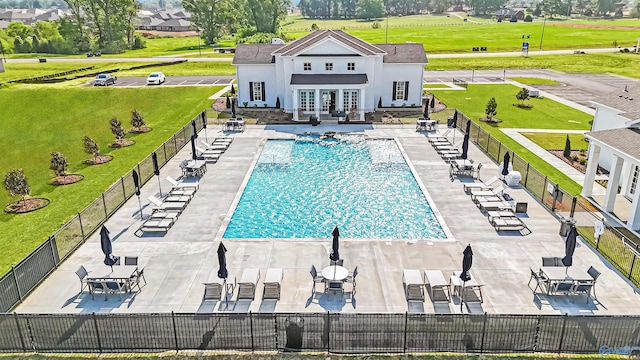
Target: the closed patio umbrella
pixel 465 142
pixel 426 109
pixel 433 102
pixel 105 243
pixel 156 169
pixel 505 164
pixel 223 273
pixel 467 260
pixel 335 255
pixel 233 108
pixel 136 184
pixel 194 155
pixel 195 131
pixel 204 126
pixel 570 247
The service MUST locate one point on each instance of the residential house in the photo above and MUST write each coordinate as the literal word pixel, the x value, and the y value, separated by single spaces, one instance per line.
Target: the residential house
pixel 614 144
pixel 329 73
pixel 508 13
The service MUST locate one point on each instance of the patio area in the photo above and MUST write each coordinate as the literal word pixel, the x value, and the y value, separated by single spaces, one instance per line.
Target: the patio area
pixel 178 263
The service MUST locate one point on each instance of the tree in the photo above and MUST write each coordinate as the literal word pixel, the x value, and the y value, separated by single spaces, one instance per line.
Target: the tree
pixel 227 104
pixel 491 109
pixel 116 128
pixel 278 102
pixel 266 15
pixel 210 16
pixel 380 102
pixel 368 9
pixel 90 146
pixel 59 164
pixel 538 10
pixel 15 182
pixel 523 95
pixel 439 6
pixel 567 148
pixel 137 121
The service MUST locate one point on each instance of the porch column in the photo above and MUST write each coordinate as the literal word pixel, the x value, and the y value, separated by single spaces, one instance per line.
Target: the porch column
pixel 592 168
pixel 318 102
pixel 612 184
pixel 634 214
pixel 340 99
pixel 361 104
pixel 295 105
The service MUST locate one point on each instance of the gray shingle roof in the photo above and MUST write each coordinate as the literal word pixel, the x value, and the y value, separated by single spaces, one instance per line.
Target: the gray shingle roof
pixel 624 101
pixel 328 79
pixel 254 53
pixel 409 53
pixel 625 140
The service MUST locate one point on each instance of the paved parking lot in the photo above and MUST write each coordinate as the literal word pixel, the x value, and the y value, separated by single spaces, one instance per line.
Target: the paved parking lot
pixel 137 81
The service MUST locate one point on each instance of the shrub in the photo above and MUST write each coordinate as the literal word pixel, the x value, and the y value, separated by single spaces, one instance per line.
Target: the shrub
pixel 567 148
pixel 375 25
pixel 588 12
pixel 314 27
pixel 278 102
pixel 528 18
pixel 255 105
pixel 116 128
pixel 16 183
pixel 523 95
pixel 491 109
pixel 245 103
pixel 404 104
pixel 137 121
pixel 90 146
pixel 583 161
pixel 228 103
pixel 265 104
pixel 59 164
pixel 575 158
pixel 139 42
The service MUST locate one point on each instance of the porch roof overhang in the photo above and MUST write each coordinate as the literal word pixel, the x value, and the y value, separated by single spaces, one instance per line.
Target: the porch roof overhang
pixel 329 79
pixel 624 140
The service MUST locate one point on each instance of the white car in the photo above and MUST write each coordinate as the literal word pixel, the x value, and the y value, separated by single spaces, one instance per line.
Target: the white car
pixel 156 78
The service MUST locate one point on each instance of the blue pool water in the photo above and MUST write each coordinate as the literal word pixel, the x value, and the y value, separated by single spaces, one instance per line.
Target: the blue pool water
pixel 303 188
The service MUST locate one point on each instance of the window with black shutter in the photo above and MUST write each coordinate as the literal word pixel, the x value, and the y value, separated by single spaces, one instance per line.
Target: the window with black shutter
pixel 406 90
pixel 395 86
pixel 251 91
pixel 264 98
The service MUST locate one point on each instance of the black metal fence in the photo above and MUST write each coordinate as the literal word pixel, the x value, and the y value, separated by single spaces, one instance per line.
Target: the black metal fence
pixel 325 332
pixel 614 245
pixel 26 275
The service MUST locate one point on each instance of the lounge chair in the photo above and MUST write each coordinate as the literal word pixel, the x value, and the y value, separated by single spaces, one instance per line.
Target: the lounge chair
pixel 488 193
pixel 161 226
pixel 213 149
pixel 223 139
pixel 481 186
pixel 510 224
pixel 177 198
pixel 164 215
pixel 167 206
pixel 183 184
pixel 208 156
pixel 183 192
pixel 220 146
pixel 434 137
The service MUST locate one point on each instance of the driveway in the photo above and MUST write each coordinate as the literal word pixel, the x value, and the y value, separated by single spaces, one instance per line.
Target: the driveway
pixel 138 81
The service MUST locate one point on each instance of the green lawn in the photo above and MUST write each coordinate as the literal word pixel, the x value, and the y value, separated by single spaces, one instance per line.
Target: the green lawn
pixel 546 114
pixel 556 141
pixel 436 86
pixel 58 123
pixel 534 81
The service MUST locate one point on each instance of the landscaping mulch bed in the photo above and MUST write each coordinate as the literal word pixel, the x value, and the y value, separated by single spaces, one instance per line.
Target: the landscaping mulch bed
pixel 26 205
pixel 220 104
pixel 100 159
pixel 140 130
pixel 576 164
pixel 67 179
pixel 122 143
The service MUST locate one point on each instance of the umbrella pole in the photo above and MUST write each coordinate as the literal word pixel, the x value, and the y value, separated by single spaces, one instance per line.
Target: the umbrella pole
pixel 141 217
pixel 159 186
pixel 206 138
pixel 462 294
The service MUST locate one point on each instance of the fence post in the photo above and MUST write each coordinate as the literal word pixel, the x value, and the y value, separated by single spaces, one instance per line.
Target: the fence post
pixel 164 148
pixel 633 262
pixel 564 325
pixel 544 188
pixel 478 136
pixel 124 189
pixel 526 176
pixel 555 198
pixel 104 204
pixel 488 140
pixel 15 279
pixel 573 206
pixel 175 331
pixel 499 151
pixel 484 328
pixel 406 321
pixel 175 145
pixel 56 258
pixel 81 227
pixel 251 329
pixel 24 346
pixel 328 333
pixel 95 324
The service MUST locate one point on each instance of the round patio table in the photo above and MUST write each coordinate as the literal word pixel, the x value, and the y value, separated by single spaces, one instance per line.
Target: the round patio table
pixel 335 272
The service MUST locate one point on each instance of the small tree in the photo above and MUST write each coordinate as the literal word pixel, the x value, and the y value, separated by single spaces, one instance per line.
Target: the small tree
pixel 380 102
pixel 523 95
pixel 117 129
pixel 278 102
pixel 228 103
pixel 16 183
pixel 90 146
pixel 233 90
pixel 567 148
pixel 433 102
pixel 59 164
pixel 491 109
pixel 137 120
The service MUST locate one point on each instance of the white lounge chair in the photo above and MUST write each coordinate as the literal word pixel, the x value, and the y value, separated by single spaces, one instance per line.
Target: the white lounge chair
pixel 433 137
pixel 155 226
pixel 513 223
pixel 183 184
pixel 167 206
pixel 212 149
pixel 488 193
pixel 208 156
pixel 481 186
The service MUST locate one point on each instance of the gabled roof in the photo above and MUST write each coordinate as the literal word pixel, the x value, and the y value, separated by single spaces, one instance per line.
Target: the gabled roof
pixel 624 140
pixel 626 100
pixel 409 53
pixel 175 22
pixel 255 53
pixel 317 36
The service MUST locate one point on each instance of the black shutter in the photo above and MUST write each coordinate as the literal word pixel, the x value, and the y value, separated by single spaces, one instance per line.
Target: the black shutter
pixel 406 90
pixel 393 97
pixel 264 98
pixel 250 91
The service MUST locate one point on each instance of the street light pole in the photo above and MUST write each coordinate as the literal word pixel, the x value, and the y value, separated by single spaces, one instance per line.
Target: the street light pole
pixel 199 48
pixel 542 36
pixel 386 32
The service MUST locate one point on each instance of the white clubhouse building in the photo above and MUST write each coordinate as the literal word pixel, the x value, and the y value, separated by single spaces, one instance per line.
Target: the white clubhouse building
pixel 329 73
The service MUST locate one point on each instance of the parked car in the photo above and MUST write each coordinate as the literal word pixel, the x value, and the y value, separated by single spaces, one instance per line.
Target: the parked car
pixel 104 80
pixel 156 78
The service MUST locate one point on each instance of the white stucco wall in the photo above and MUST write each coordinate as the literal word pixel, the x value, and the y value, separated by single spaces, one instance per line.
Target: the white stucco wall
pixel 328 47
pixel 256 73
pixel 607 118
pixel 413 73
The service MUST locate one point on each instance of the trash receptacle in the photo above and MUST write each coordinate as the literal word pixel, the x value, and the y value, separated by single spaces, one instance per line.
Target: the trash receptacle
pixel 294 325
pixel 565 225
pixel 450 121
pixel 313 120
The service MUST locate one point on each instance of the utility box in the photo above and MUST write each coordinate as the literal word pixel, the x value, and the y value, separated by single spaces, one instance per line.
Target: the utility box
pixel 565 225
pixel 534 92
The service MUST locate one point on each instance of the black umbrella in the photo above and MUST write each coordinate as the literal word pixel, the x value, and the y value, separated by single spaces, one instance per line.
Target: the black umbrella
pixel 570 246
pixel 433 102
pixel 233 90
pixel 335 255
pixel 465 141
pixel 156 169
pixel 426 110
pixel 454 124
pixel 505 164
pixel 223 273
pixel 195 131
pixel 204 126
pixel 233 108
pixel 467 260
pixel 136 184
pixel 105 243
pixel 194 155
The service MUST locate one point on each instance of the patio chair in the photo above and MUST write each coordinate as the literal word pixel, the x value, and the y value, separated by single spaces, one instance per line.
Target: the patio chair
pixel 134 280
pixel 352 279
pixel 317 279
pixel 114 287
pixel 476 170
pixel 510 224
pixel 185 170
pixel 183 184
pixel 562 287
pixel 82 274
pixel 551 261
pixel 539 278
pixel 594 274
pixel 583 287
pixel 167 206
pixel 131 260
pixel 96 286
pixel 212 291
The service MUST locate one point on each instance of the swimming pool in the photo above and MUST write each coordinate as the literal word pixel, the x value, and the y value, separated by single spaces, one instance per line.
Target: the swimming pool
pixel 303 188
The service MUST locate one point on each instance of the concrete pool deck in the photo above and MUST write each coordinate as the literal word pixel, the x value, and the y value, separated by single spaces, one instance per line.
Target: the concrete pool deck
pixel 179 262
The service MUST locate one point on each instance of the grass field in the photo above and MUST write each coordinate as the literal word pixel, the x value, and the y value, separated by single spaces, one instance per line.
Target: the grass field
pixel 556 141
pixel 546 114
pixel 58 123
pixel 534 81
pixel 436 86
